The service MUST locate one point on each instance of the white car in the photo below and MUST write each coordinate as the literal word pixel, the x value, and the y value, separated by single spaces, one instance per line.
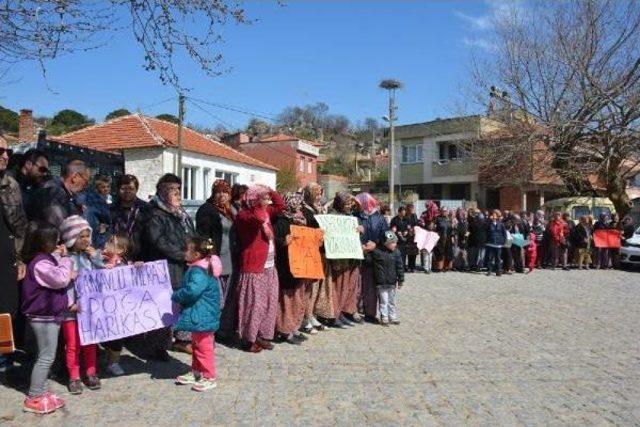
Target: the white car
pixel 630 251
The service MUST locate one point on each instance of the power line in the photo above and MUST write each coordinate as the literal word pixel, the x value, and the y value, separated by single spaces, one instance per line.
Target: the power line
pixel 219 119
pixel 155 104
pixel 241 110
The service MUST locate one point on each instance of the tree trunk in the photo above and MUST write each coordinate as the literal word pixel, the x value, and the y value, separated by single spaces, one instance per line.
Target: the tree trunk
pixel 617 189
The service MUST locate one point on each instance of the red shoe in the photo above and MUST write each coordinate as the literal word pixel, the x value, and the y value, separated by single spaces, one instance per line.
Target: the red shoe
pixel 39 405
pixel 56 401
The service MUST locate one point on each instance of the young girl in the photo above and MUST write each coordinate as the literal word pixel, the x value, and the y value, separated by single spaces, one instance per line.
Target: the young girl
pixel 114 254
pixel 76 236
pixel 44 301
pixel 199 298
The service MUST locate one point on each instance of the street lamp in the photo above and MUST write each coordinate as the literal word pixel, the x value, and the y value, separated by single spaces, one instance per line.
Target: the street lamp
pixel 391 85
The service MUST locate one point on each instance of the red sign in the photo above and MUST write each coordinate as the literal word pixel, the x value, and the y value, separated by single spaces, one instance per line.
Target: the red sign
pixel 607 239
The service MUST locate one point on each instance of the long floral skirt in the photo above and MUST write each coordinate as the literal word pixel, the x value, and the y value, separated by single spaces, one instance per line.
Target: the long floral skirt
pixel 346 290
pixel 291 307
pixel 257 304
pixel 321 302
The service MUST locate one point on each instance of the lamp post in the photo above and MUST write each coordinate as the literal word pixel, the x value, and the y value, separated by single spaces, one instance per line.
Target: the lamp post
pixel 391 85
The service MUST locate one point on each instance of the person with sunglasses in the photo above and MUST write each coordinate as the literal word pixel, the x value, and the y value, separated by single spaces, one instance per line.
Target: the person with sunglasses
pixel 33 172
pixel 60 198
pixel 13 225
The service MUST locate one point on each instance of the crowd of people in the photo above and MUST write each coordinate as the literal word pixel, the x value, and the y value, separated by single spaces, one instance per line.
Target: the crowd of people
pixel 229 265
pixel 506 242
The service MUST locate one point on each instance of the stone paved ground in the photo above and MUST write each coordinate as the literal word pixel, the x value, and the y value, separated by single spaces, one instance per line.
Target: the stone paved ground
pixel 551 348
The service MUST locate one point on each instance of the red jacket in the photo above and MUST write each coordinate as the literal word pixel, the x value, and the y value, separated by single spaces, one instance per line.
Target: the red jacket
pixel 254 246
pixel 558 230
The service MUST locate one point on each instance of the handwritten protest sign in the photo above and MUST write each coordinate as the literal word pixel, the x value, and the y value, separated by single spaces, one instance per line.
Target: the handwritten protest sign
pixel 425 239
pixel 304 253
pixel 123 301
pixel 341 240
pixel 607 239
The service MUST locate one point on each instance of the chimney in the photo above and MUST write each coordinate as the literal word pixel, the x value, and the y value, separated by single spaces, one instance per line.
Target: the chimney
pixel 26 128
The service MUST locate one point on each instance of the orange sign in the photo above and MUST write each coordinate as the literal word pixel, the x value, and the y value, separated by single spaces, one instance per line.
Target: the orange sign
pixel 304 253
pixel 6 334
pixel 607 239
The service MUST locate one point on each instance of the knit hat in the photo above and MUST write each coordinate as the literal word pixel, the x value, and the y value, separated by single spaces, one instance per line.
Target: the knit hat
pixel 390 237
pixel 71 228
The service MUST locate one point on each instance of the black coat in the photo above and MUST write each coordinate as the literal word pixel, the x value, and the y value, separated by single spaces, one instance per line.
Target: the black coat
pixel 477 232
pixel 53 203
pixel 580 237
pixel 132 223
pixel 388 268
pixel 282 228
pixel 165 237
pixel 9 291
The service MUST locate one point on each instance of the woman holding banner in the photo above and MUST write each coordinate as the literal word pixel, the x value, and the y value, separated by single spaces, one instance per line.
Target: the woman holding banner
pixel 165 237
pixel 321 302
pixel 258 278
pixel 345 273
pixel 294 292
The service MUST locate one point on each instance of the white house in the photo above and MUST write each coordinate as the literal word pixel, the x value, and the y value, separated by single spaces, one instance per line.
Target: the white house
pixel 150 150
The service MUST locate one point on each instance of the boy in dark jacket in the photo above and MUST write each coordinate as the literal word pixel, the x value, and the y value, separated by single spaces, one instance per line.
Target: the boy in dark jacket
pixel 388 270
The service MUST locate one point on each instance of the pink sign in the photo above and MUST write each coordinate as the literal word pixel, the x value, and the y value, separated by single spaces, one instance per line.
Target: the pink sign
pixel 425 239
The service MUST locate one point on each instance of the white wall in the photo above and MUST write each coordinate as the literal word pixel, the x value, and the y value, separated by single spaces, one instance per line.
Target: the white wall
pixel 147 165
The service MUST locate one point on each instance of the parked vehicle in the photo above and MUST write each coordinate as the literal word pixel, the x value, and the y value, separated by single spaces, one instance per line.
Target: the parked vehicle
pixel 579 206
pixel 630 251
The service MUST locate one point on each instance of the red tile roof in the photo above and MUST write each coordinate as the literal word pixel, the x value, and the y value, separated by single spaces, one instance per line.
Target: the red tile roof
pixel 140 131
pixel 281 137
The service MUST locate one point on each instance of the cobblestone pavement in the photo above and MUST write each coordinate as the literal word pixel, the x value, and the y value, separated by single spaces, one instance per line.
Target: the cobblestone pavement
pixel 550 348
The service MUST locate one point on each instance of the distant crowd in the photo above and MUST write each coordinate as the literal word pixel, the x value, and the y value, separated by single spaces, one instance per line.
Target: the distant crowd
pixel 229 266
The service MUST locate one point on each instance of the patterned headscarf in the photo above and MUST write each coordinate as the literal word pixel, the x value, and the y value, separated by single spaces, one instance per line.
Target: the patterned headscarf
pixel 254 194
pixel 368 203
pixel 293 212
pixel 312 195
pixel 221 186
pixel 340 201
pixel 431 211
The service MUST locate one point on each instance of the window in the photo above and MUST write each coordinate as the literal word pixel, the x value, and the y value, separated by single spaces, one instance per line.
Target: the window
pixel 189 182
pixel 230 177
pixel 206 180
pixel 301 166
pixel 599 210
pixel 579 211
pixel 411 153
pixel 310 166
pixel 448 150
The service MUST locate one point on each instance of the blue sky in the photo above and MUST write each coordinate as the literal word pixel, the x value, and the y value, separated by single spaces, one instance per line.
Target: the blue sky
pixel 300 53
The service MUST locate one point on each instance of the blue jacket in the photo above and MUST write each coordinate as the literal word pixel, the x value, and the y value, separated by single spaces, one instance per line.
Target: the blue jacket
pixel 199 297
pixel 496 234
pixel 96 212
pixel 374 227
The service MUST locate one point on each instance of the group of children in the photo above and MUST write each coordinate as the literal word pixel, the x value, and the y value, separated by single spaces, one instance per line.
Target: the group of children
pixel 49 303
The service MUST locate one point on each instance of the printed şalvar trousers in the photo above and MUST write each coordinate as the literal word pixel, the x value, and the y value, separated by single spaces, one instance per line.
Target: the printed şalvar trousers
pixel 257 304
pixel 369 293
pixel 346 290
pixel 291 307
pixel 321 301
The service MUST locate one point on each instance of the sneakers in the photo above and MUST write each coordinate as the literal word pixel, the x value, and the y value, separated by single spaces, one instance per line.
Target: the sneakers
pixel 205 384
pixel 354 318
pixel 43 404
pixel 115 369
pixel 92 382
pixel 384 322
pixel 345 321
pixel 309 330
pixel 187 379
pixel 75 387
pixel 338 324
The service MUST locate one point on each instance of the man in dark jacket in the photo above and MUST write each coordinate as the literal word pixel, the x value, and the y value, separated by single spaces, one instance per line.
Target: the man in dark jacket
pixel 58 199
pixel 388 270
pixel 33 173
pixel 477 239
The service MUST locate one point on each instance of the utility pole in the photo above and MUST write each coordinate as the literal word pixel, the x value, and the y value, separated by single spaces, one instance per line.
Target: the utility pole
pixel 180 120
pixel 391 86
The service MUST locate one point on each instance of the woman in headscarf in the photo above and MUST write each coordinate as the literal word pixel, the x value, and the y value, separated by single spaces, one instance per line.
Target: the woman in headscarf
pixel 321 301
pixel 462 239
pixel 165 237
pixel 443 252
pixel 258 279
pixel 294 293
pixel 374 226
pixel 214 220
pixel 345 273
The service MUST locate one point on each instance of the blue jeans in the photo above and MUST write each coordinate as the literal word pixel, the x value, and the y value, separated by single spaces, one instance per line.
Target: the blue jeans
pixel 47 338
pixel 493 259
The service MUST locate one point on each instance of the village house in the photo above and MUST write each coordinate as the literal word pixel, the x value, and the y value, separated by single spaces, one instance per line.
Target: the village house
pixel 149 148
pixel 282 151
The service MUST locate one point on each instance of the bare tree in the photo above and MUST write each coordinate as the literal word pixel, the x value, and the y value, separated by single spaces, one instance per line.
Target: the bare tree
pixel 41 30
pixel 572 70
